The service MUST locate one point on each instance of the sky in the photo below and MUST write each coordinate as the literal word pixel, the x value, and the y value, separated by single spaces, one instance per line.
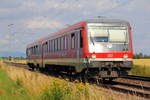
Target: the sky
pixel 24 21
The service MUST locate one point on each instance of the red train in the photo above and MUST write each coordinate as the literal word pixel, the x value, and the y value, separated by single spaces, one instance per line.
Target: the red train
pixel 98 48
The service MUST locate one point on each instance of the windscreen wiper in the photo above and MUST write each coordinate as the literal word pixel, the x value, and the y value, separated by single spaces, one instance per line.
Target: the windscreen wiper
pixel 92 39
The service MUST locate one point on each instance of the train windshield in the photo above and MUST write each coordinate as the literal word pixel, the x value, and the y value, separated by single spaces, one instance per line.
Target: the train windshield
pixel 108 34
pixel 102 38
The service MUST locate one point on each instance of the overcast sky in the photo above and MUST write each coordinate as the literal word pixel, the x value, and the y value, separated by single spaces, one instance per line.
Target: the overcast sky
pixel 24 21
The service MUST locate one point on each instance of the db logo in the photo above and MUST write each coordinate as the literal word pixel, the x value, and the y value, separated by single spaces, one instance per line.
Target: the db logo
pixel 110 55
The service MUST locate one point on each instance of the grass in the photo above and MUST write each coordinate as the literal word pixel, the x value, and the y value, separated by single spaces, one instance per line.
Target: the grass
pixel 141 67
pixel 27 85
pixel 11 89
pixel 23 61
pixel 140 71
pixel 142 62
pixel 42 87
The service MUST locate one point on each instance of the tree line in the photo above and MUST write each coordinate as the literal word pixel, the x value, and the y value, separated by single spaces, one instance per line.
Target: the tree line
pixel 141 56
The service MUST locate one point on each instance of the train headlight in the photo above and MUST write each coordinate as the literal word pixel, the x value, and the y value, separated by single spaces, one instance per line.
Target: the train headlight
pixel 93 56
pixel 125 56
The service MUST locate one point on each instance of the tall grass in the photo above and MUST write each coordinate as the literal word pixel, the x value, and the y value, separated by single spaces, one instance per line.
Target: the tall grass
pixel 141 67
pixel 11 90
pixel 23 61
pixel 42 87
pixel 36 86
pixel 142 62
pixel 140 70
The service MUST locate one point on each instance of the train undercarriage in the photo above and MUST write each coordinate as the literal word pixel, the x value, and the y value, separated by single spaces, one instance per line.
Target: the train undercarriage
pixel 100 71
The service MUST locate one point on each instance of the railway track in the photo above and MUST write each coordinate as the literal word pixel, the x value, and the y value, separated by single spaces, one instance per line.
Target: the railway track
pixel 142 91
pixel 141 78
pixel 128 88
pixel 127 91
pixel 20 65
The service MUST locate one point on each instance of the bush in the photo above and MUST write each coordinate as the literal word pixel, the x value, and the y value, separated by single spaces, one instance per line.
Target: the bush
pixel 65 91
pixel 54 93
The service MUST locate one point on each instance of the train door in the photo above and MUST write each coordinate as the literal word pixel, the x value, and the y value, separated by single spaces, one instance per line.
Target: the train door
pixel 42 56
pixel 79 49
pixel 43 52
pixel 79 43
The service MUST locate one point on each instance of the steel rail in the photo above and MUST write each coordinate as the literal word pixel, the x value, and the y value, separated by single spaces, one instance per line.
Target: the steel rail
pixel 141 78
pixel 127 91
pixel 141 87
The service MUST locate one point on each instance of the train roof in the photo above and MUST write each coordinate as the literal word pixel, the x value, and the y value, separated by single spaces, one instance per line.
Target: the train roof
pixel 106 20
pixel 94 20
pixel 57 33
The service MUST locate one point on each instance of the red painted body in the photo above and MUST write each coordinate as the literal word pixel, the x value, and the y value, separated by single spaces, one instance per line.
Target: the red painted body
pixel 68 56
pixel 71 53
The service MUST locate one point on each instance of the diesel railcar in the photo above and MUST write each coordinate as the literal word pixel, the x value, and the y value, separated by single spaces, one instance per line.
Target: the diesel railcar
pixel 100 48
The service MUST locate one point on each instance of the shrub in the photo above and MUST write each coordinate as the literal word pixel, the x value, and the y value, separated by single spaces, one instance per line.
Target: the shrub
pixel 53 93
pixel 65 91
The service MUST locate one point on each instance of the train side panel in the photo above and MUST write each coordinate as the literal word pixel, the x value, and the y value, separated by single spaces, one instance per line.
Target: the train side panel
pixel 70 56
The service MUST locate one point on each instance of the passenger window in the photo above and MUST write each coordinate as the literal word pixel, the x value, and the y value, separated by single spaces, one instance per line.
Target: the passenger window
pixel 62 42
pixel 38 49
pixel 52 46
pixel 81 39
pixel 72 40
pixel 46 47
pixel 65 42
pixel 59 44
pixel 31 50
pixel 34 50
pixel 55 45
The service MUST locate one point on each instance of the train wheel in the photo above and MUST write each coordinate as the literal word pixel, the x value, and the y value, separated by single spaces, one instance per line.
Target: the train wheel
pixel 101 81
pixel 85 77
pixel 32 67
pixel 110 79
pixel 105 80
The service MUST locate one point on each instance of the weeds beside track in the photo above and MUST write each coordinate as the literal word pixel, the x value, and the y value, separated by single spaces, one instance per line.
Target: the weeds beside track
pixel 116 86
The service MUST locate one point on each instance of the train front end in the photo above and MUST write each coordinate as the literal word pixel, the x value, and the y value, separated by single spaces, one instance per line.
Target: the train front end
pixel 109 48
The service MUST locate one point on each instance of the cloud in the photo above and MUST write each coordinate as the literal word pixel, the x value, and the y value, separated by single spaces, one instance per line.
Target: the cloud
pixel 42 23
pixel 3 10
pixel 10 3
pixel 4 41
pixel 29 15
pixel 45 5
pixel 70 5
